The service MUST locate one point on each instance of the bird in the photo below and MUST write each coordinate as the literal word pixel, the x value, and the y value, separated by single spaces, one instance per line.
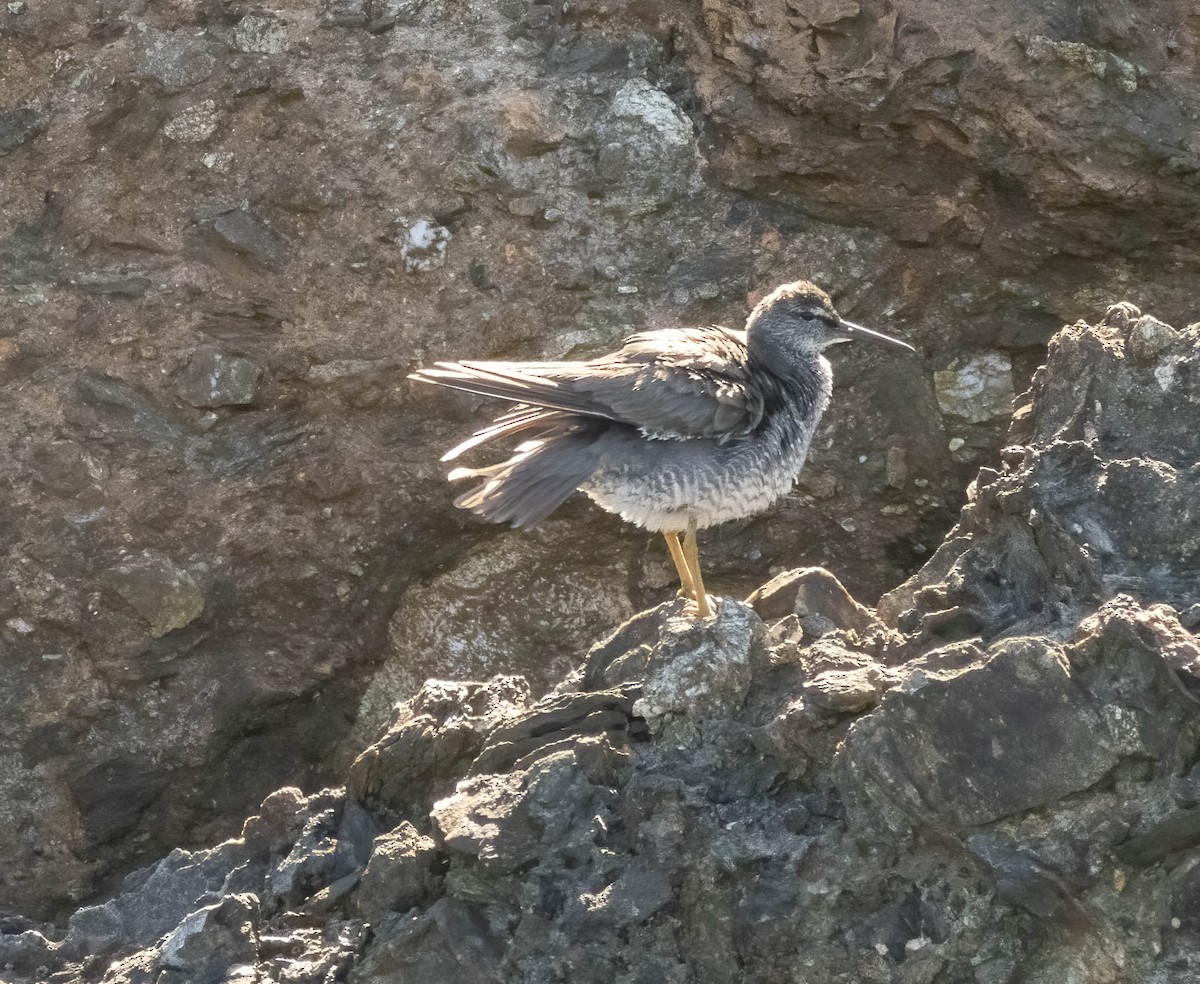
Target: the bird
pixel 677 430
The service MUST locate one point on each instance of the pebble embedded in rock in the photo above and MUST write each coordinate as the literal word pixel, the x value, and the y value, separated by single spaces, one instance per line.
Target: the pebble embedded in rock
pixel 195 124
pixel 264 35
pixel 177 59
pixel 164 594
pixel 213 378
pixel 976 388
pixel 423 246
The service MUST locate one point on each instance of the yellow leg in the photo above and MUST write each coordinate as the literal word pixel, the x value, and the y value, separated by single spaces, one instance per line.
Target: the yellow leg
pixel 681 564
pixel 692 552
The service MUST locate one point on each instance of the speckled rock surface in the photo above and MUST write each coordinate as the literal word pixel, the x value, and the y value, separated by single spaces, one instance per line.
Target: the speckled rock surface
pixel 229 230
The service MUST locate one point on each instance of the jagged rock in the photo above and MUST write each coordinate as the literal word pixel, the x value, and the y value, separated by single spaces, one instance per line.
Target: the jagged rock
pixel 453 625
pixel 264 35
pixel 177 59
pixel 428 739
pixel 399 874
pixel 688 671
pixel 816 598
pixel 242 234
pixel 1063 527
pixel 929 756
pixel 211 941
pixel 120 411
pixel 193 124
pixel 66 468
pixel 674 807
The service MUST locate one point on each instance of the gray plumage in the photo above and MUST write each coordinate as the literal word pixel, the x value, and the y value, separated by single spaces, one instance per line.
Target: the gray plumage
pixel 679 426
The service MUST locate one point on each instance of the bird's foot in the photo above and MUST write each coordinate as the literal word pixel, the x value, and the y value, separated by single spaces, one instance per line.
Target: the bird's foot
pixel 705 608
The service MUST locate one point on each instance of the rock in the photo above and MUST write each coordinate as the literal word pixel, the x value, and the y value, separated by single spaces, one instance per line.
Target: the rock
pixel 1149 339
pixel 1021 879
pixel 640 101
pixel 428 738
pixel 1060 528
pixel 818 600
pixel 177 59
pixel 18 125
pixel 310 864
pixel 264 35
pixel 650 156
pixel 529 124
pixel 213 940
pixel 399 875
pixel 631 900
pixel 553 808
pixel 846 691
pixel 689 671
pixel 486 595
pixel 683 793
pixel 213 378
pixel 66 468
pixel 976 389
pixel 423 246
pixel 928 757
pixel 164 594
pixel 243 234
pixel 118 410
pixel 194 124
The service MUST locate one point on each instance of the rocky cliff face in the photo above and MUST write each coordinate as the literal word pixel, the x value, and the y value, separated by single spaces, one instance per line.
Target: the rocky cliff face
pixel 990 778
pixel 228 230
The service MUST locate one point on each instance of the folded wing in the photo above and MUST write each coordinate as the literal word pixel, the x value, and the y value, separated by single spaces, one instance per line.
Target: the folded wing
pixel 672 384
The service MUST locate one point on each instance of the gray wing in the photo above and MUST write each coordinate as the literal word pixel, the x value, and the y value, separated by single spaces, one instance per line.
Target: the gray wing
pixel 675 384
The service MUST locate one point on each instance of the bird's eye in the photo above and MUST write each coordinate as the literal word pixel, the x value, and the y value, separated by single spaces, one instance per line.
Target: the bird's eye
pixel 807 315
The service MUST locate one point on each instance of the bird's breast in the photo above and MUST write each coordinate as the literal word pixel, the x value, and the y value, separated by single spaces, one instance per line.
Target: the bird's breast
pixel 660 485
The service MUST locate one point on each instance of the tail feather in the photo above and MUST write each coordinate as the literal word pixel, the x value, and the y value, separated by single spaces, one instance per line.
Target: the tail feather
pixel 530 485
pixel 510 423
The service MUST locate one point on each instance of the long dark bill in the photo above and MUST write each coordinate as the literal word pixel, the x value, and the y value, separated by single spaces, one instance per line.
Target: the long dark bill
pixel 858 331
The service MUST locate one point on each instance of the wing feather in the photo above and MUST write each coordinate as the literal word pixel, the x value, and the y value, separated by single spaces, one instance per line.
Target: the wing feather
pixel 672 384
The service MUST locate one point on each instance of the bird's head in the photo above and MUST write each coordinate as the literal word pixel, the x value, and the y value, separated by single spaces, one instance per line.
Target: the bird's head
pixel 801 315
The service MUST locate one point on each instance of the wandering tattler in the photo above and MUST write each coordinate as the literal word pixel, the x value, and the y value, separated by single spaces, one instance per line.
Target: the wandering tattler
pixel 679 429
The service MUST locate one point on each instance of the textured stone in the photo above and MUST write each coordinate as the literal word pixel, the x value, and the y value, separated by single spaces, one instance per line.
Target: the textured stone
pixel 815 597
pixel 399 874
pixel 688 670
pixel 215 379
pixel 454 624
pixel 423 246
pixel 929 755
pixel 241 232
pixel 17 126
pixel 265 35
pixel 177 59
pixel 164 594
pixel 211 941
pixel 976 389
pixel 194 124
pixel 1064 523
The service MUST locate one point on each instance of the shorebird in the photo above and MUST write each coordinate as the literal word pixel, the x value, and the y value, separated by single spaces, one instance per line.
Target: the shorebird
pixel 677 430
